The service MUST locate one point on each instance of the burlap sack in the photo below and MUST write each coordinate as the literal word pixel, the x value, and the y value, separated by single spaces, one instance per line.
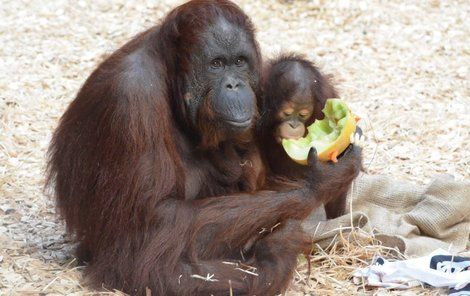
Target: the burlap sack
pixel 416 219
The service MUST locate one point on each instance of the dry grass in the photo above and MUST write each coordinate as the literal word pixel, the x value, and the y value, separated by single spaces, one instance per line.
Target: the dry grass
pixel 404 67
pixel 331 268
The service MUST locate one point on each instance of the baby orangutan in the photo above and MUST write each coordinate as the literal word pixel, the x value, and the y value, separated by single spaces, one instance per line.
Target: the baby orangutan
pixel 294 94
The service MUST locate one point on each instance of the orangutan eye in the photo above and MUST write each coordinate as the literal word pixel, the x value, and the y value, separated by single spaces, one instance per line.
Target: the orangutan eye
pixel 217 63
pixel 287 112
pixel 240 61
pixel 304 114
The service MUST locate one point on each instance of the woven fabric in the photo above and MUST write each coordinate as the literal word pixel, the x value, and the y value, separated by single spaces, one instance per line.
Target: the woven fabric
pixel 416 219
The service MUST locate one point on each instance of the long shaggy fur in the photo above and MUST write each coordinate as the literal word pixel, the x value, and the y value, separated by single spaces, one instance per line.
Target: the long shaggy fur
pixel 275 91
pixel 151 208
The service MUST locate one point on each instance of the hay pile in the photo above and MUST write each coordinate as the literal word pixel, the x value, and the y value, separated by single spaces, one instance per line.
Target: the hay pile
pixel 403 67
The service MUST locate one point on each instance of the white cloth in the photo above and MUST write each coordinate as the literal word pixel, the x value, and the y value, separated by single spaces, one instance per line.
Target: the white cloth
pixel 408 273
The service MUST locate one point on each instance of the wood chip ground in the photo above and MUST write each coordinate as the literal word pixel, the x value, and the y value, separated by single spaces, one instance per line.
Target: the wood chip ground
pixel 402 65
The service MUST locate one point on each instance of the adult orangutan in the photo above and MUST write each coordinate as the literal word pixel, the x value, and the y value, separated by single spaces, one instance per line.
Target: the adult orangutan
pixel 156 172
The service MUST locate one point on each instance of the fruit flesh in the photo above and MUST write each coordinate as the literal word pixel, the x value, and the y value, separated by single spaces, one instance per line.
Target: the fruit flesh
pixel 330 136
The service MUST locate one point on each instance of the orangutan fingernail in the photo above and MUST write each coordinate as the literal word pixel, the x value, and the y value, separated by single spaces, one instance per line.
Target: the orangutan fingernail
pixel 187 97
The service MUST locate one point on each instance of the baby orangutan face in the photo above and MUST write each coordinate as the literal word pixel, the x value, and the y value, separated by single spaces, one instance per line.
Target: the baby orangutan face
pixel 293 116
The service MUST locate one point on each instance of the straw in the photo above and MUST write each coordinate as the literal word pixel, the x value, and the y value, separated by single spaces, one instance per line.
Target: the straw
pixel 401 65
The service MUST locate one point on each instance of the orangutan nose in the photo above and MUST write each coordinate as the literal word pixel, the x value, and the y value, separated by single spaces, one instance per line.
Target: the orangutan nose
pixel 294 124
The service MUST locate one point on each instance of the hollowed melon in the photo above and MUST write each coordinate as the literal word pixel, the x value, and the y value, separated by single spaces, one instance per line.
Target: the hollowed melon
pixel 330 136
